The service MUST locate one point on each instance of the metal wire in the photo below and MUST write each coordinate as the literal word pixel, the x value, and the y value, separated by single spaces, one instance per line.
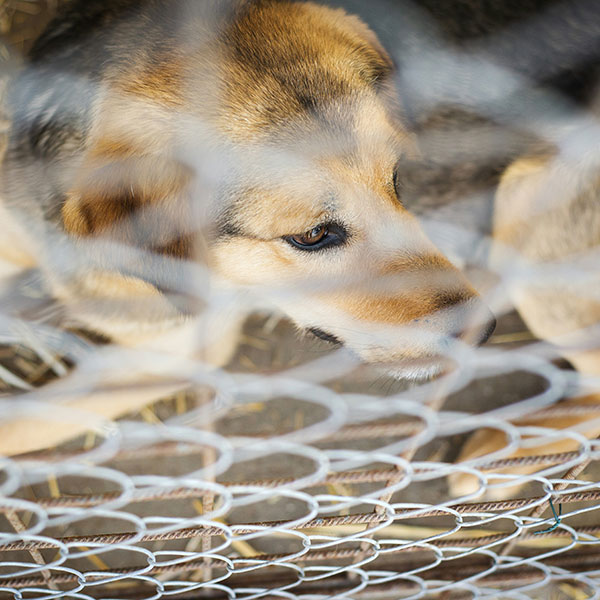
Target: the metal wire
pixel 277 477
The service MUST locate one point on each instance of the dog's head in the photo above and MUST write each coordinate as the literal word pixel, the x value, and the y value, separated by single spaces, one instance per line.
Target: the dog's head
pixel 299 122
pixel 315 212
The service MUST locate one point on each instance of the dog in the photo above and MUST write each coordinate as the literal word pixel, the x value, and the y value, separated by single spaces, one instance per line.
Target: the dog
pixel 256 146
pixel 113 147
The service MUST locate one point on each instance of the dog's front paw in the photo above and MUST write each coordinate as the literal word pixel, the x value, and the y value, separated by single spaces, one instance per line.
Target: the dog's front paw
pixel 486 442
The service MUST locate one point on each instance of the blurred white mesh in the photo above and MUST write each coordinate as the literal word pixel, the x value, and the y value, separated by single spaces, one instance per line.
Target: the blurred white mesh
pixel 296 472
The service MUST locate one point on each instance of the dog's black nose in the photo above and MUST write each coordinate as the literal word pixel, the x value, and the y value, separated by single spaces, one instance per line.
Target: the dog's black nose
pixel 478 325
pixel 487 330
pixel 468 316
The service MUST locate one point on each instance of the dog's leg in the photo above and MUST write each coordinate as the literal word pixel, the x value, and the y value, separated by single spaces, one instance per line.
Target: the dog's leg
pixel 118 396
pixel 210 340
pixel 55 424
pixel 547 220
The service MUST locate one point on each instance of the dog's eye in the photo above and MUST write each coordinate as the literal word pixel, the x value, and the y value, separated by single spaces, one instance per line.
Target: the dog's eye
pixel 318 237
pixel 396 180
pixel 314 236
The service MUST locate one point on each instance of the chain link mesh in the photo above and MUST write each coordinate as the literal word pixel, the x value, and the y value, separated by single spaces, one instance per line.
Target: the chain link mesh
pixel 296 472
pixel 281 486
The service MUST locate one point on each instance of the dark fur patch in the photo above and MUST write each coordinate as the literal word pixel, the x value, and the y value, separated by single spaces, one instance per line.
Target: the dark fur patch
pixel 139 202
pixel 448 299
pixel 282 54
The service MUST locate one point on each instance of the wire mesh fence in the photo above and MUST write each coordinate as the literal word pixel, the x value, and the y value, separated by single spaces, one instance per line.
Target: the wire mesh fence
pixel 296 471
pixel 288 496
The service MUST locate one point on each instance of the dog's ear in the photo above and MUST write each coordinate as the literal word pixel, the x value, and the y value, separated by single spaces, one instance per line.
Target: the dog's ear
pixel 138 201
pixel 378 65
